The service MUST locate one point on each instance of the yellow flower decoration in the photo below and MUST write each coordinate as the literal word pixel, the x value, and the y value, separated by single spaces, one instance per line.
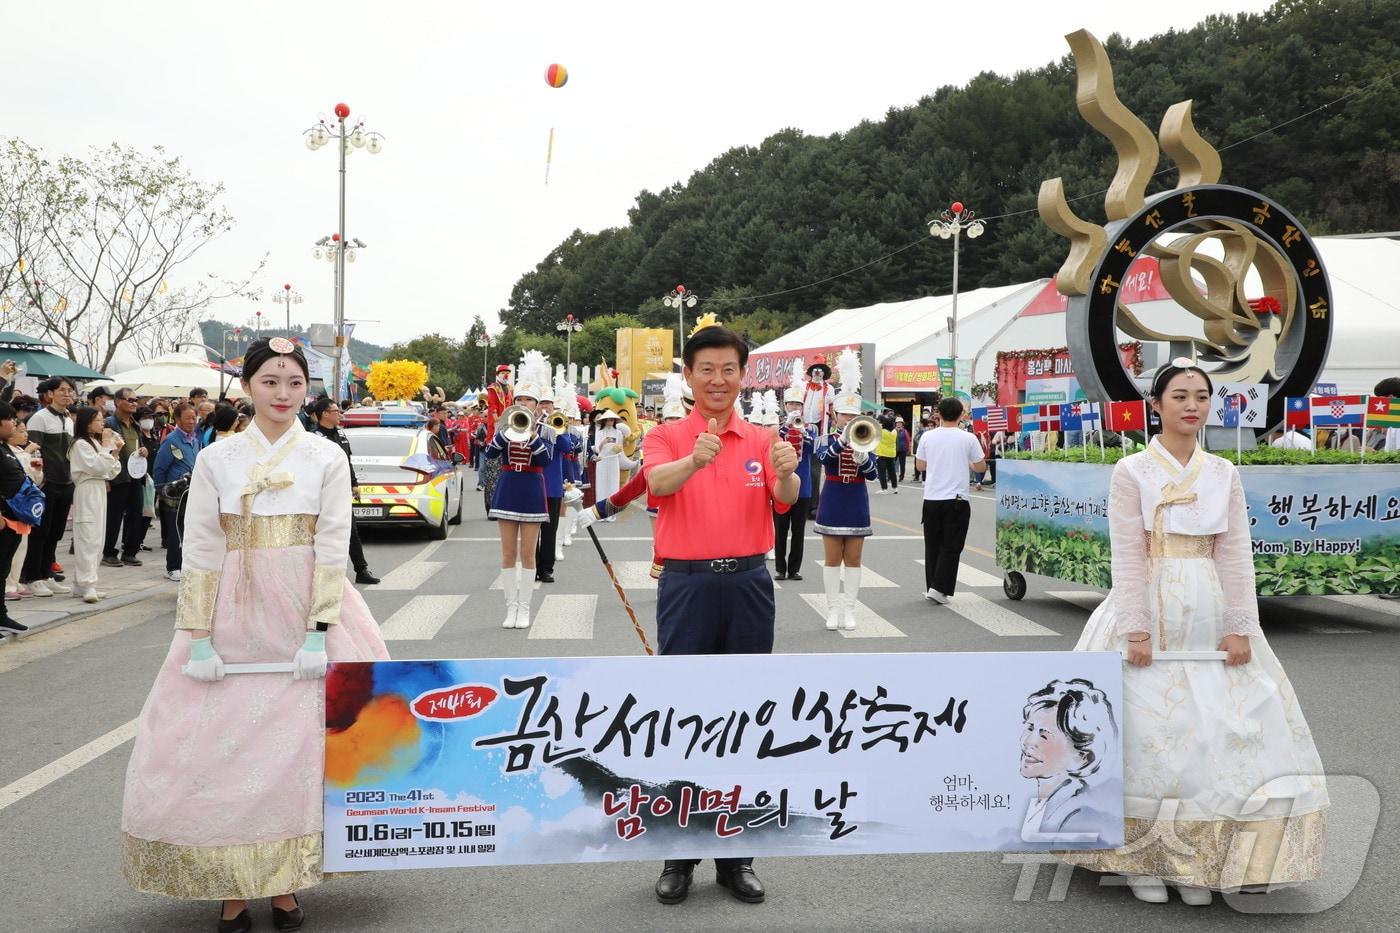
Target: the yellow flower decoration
pixel 703 321
pixel 397 380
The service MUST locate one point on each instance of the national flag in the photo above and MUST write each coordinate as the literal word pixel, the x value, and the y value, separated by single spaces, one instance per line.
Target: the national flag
pixel 1338 411
pixel 996 418
pixel 1072 416
pixel 979 420
pixel 1049 417
pixel 1382 412
pixel 1127 416
pixel 1250 403
pixel 1030 418
pixel 1298 413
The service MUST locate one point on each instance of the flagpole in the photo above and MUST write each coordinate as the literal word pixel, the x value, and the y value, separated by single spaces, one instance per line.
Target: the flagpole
pixel 1237 442
pixel 1103 454
pixel 1312 431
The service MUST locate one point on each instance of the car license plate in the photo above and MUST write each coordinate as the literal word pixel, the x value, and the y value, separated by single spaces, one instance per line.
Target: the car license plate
pixel 367 511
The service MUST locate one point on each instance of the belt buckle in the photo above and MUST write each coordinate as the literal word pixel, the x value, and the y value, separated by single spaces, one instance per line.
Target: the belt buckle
pixel 724 565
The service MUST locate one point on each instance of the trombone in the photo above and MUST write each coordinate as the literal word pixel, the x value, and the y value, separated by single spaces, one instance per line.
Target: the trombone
pixel 861 433
pixel 518 424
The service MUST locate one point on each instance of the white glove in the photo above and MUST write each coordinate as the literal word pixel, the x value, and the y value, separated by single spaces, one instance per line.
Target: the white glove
pixel 310 661
pixel 204 664
pixel 585 519
pixel 859 456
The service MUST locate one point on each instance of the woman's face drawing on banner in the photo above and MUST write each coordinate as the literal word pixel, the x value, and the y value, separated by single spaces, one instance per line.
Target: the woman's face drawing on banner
pixel 1046 751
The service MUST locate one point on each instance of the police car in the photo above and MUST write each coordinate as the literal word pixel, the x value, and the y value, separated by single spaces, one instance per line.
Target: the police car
pixel 406 476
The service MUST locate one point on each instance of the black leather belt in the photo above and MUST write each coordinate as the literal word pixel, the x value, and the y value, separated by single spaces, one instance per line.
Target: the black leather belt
pixel 718 565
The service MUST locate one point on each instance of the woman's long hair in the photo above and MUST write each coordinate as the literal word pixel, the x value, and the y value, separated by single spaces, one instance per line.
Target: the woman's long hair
pixel 85 416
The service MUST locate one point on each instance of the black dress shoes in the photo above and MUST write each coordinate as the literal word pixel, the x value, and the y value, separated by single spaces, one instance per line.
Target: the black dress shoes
pixel 780 575
pixel 240 924
pixel 288 919
pixel 544 576
pixel 674 884
pixel 794 576
pixel 365 577
pixel 742 883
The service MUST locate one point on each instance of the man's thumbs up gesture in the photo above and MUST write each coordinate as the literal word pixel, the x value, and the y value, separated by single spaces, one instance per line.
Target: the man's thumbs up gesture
pixel 707 445
pixel 783 457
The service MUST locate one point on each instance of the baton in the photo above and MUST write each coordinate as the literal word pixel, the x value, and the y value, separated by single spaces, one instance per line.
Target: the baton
pixel 262 667
pixel 621 593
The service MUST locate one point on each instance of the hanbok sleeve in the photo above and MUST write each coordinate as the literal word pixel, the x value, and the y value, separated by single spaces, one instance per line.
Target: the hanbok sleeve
pixel 204 546
pixel 332 544
pixel 1234 565
pixel 1132 605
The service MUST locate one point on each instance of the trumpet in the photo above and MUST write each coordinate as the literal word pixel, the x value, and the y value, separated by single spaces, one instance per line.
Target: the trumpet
pixel 862 433
pixel 794 419
pixel 518 424
pixel 557 420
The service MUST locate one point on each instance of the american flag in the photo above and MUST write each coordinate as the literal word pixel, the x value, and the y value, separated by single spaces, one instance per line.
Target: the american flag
pixel 996 419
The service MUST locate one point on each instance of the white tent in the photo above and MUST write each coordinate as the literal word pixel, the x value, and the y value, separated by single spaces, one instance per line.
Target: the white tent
pixel 174 374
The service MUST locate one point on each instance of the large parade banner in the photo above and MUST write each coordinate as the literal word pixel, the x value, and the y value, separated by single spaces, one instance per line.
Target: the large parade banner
pixel 493 762
pixel 1316 530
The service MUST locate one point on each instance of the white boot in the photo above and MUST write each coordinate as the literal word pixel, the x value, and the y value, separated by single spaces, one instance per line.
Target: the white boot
pixel 510 585
pixel 831 581
pixel 1193 895
pixel 522 604
pixel 851 585
pixel 1147 888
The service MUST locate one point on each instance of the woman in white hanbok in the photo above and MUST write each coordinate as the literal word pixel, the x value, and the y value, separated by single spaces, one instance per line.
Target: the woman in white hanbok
pixel 608 441
pixel 1223 786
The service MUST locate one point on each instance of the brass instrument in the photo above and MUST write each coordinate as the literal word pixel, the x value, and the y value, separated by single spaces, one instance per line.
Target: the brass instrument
pixel 861 433
pixel 518 424
pixel 557 420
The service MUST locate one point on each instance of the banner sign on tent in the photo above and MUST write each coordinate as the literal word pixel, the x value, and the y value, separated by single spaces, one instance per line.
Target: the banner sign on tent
pixel 496 762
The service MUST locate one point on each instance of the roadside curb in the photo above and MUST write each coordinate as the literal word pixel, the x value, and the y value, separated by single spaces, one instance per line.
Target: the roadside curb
pixel 68 609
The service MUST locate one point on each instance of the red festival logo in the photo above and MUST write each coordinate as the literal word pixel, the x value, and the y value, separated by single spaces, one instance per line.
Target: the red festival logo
pixel 459 701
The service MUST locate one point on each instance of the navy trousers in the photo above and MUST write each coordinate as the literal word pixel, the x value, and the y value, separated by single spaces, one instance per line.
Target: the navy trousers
pixel 715 613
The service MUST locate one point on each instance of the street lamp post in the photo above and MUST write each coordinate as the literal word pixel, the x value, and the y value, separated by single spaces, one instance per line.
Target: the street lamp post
pixel 288 299
pixel 353 137
pixel 223 357
pixel 484 340
pixel 952 223
pixel 680 299
pixel 570 327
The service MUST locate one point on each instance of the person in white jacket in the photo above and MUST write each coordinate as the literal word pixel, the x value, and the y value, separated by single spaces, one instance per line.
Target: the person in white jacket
pixel 608 439
pixel 93 464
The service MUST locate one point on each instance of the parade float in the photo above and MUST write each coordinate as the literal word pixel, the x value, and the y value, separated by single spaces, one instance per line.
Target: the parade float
pixel 1322 522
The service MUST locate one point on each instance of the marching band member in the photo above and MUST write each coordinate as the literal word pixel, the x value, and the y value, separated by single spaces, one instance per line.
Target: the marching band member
pixel 224 786
pixel 818 409
pixel 788 557
pixel 573 467
pixel 551 546
pixel 843 512
pixel 498 399
pixel 608 438
pixel 520 504
pixel 1223 786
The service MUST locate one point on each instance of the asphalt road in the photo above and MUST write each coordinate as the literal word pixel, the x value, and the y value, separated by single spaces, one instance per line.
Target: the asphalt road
pixel 71 697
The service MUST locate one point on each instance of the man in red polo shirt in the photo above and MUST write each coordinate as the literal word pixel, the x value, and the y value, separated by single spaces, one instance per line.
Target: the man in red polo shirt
pixel 717 480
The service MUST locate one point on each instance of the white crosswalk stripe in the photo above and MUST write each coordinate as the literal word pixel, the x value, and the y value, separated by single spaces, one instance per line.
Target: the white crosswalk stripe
pixel 993 617
pixel 969 575
pixel 410 576
pixel 869 623
pixel 565 617
pixel 421 618
pixel 526 575
pixel 1087 600
pixel 634 574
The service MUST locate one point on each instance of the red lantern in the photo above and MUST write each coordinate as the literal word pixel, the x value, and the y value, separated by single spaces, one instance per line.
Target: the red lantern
pixel 680 289
pixel 342 110
pixel 957 207
pixel 335 238
pixel 287 287
pixel 556 76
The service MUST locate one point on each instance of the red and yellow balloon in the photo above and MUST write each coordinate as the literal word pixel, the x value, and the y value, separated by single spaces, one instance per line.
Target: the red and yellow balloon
pixel 556 75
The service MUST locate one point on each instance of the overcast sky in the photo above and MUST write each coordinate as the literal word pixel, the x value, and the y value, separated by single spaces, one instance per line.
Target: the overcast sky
pixel 455 208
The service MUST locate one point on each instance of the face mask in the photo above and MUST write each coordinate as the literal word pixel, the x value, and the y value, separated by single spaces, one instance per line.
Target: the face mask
pixel 110 407
pixel 146 424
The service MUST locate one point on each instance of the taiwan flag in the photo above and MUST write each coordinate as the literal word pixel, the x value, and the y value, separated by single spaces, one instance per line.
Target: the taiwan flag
pixel 1298 413
pixel 1338 410
pixel 979 420
pixel 1127 416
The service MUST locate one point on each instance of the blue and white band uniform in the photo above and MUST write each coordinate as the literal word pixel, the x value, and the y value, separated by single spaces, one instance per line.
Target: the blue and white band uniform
pixel 520 489
pixel 843 509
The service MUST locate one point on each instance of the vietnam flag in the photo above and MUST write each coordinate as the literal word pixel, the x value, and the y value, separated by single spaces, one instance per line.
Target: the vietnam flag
pixel 1127 416
pixel 1382 412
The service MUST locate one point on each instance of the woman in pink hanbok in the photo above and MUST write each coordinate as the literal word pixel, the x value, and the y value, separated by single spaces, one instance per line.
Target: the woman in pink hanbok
pixel 224 788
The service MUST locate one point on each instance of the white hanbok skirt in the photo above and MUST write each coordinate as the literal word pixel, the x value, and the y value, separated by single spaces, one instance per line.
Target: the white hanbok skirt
pixel 1223 786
